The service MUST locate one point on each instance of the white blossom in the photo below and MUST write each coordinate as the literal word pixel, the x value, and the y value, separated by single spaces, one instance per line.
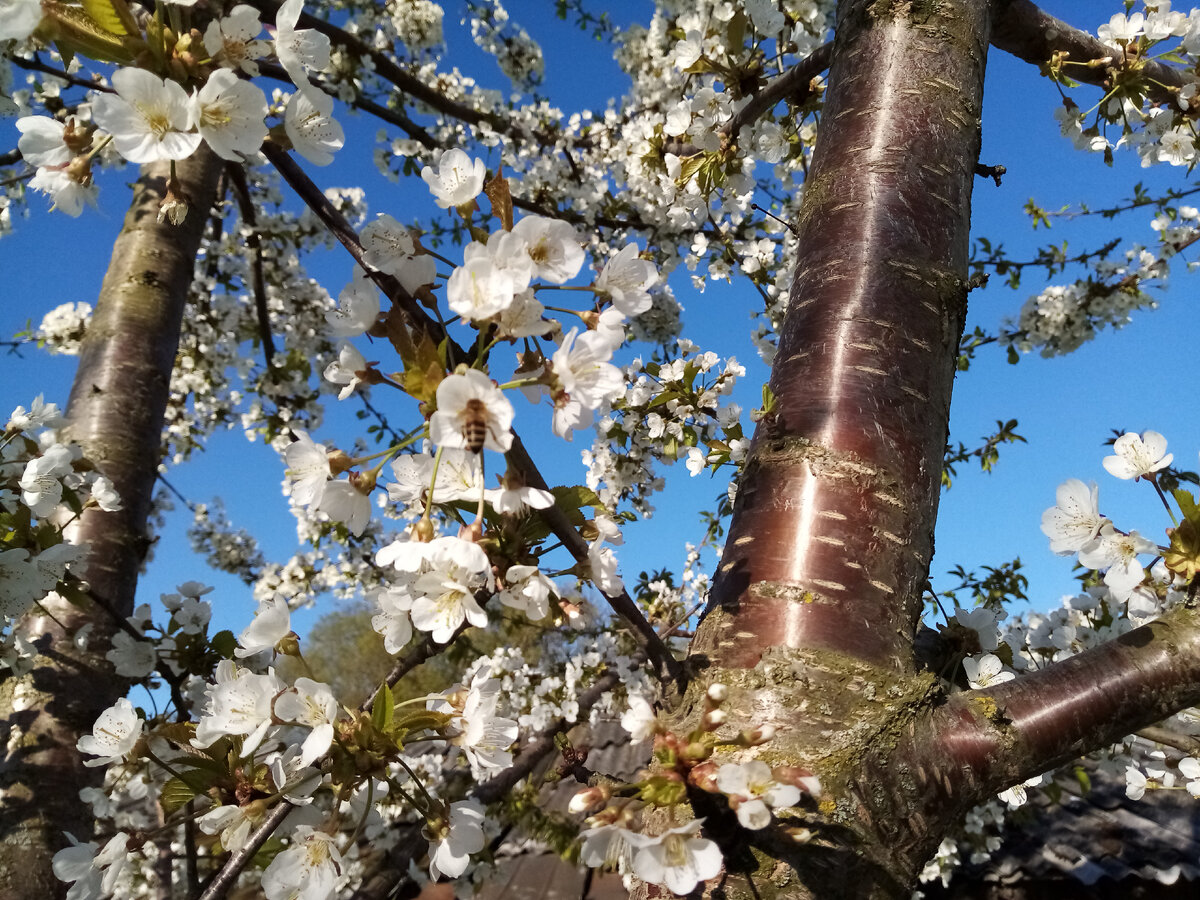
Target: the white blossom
pixel 1075 520
pixel 299 50
pixel 310 126
pixel 229 113
pixel 552 245
pixel 445 591
pixel 678 859
pixel 461 835
pixel 753 792
pixel 148 117
pixel 1135 455
pixel 230 40
pixel 239 702
pixel 41 142
pixel 312 704
pixel 131 657
pixel 310 869
pixel 344 502
pixel 272 622
pixel 627 279
pixel 307 468
pixel 1119 554
pixel 986 671
pixel 471 413
pixel 457 180
pixel 114 735
pixel 19 18
pixel 95 875
pixel 346 370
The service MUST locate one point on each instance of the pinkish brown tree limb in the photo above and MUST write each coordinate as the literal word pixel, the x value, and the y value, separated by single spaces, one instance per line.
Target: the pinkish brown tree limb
pixel 1027 32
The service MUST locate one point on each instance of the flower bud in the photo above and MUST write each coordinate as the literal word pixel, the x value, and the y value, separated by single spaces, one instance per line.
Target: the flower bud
pixel 364 482
pixel 801 778
pixel 339 462
pixel 424 531
pixel 697 750
pixel 717 692
pixel 704 776
pixel 289 644
pixel 714 719
pixel 77 138
pixel 589 798
pixel 757 736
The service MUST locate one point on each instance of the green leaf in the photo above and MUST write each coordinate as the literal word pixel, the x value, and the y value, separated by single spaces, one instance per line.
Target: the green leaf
pixel 224 643
pixel 416 720
pixel 768 399
pixel 383 709
pixel 105 15
pixel 175 795
pixel 576 497
pixel 1187 505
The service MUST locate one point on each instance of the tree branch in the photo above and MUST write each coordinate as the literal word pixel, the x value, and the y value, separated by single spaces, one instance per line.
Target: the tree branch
pixel 794 81
pixel 225 877
pixel 387 68
pixel 393 871
pixel 1011 732
pixel 1021 28
pixel 36 65
pixel 241 190
pixel 391 116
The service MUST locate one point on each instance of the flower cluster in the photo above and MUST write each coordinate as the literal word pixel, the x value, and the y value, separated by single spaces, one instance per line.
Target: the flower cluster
pixel 45 485
pixel 150 118
pixel 618 835
pixel 1074 523
pixel 1127 596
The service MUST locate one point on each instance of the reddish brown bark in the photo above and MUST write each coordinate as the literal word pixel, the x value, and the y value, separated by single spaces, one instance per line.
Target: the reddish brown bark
pixel 812 618
pixel 832 532
pixel 116 413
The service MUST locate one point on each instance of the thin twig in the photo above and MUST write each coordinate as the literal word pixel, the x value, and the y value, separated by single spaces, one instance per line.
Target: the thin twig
pixel 388 69
pixel 419 654
pixel 536 750
pixel 391 116
pixel 36 65
pixel 220 884
pixel 237 177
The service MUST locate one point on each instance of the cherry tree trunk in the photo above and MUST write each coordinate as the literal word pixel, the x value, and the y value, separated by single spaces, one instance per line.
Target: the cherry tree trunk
pixel 814 609
pixel 116 412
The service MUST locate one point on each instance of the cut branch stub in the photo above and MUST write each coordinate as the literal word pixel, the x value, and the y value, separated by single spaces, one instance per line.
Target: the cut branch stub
pixel 832 532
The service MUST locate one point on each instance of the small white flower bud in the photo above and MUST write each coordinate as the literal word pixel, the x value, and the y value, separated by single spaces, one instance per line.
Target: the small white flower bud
pixel 717 692
pixel 714 718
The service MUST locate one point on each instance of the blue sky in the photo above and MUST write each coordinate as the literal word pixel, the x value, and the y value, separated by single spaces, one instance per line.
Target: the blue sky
pixel 1131 380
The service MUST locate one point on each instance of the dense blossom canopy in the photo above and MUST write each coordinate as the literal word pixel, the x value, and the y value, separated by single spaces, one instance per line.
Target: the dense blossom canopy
pixel 537 277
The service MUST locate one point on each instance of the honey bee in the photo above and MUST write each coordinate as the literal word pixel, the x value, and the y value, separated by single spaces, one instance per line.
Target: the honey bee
pixel 475 425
